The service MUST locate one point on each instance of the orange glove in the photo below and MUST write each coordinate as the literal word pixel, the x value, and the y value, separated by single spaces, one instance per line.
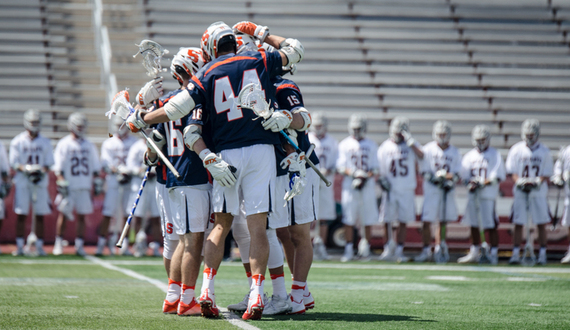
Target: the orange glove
pixel 257 31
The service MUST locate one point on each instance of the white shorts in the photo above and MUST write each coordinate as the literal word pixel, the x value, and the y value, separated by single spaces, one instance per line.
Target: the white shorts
pixel 538 207
pixel 255 181
pixel 327 204
pixel 163 204
pixel 565 219
pixel 23 197
pixel 432 209
pixel 147 202
pixel 359 204
pixel 190 207
pixel 2 209
pixel 398 206
pixel 80 201
pixel 116 197
pixel 489 217
pixel 303 208
pixel 279 217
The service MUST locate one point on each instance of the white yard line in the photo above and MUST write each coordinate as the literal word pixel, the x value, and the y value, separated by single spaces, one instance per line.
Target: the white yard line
pixel 229 316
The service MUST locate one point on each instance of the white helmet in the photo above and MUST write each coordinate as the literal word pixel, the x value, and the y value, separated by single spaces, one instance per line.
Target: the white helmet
pixel 119 127
pixel 211 39
pixel 77 123
pixel 481 137
pixel 442 132
pixel 357 126
pixel 530 131
pixel 188 60
pixel 319 123
pixel 32 120
pixel 398 125
pixel 245 43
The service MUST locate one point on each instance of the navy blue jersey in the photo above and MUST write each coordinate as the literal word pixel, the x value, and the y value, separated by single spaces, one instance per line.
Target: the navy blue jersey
pixel 217 85
pixel 289 97
pixel 185 161
pixel 161 169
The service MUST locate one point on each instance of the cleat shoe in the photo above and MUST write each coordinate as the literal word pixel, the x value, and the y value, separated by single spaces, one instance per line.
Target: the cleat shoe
pixel 155 247
pixel 296 307
pixel 170 307
pixel 240 306
pixel 57 250
pixel 254 309
pixel 471 257
pixel 515 259
pixel 400 257
pixel 41 252
pixel 192 309
pixel 426 255
pixel 566 258
pixel 18 252
pixel 494 259
pixel 388 253
pixel 80 252
pixel 541 259
pixel 309 301
pixel 347 256
pixel 125 252
pixel 363 249
pixel 277 305
pixel 208 304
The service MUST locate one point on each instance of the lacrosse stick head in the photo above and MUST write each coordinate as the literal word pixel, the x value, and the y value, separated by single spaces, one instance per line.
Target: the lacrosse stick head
pixel 152 53
pixel 120 106
pixel 252 97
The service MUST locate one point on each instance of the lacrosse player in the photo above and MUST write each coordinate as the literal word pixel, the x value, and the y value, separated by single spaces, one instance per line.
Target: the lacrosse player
pixel 482 168
pixel 530 164
pixel 440 170
pixel 561 179
pixel 326 149
pixel 114 153
pixel 237 137
pixel 397 157
pixel 76 164
pixel 357 163
pixel 5 184
pixel 31 156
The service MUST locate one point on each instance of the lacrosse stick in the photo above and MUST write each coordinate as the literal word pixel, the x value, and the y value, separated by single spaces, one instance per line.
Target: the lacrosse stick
pixel 152 53
pixel 484 246
pixel 32 238
pixel 297 183
pixel 443 254
pixel 128 222
pixel 253 98
pixel 555 218
pixel 528 259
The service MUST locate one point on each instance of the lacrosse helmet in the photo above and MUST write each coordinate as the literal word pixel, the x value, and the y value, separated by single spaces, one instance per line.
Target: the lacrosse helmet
pixel 357 126
pixel 215 35
pixel 442 132
pixel 77 123
pixel 398 125
pixel 32 121
pixel 319 123
pixel 187 60
pixel 245 43
pixel 481 137
pixel 530 131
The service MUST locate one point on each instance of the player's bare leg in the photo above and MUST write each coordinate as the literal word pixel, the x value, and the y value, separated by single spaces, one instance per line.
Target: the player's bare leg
pixel 542 240
pixel 401 240
pixel 174 271
pixel 60 226
pixel 20 231
pixel 79 234
pixel 301 238
pixel 258 256
pixel 192 256
pixel 324 230
pixel 517 240
pixel 285 238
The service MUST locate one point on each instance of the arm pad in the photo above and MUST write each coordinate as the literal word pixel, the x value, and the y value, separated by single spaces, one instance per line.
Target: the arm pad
pixel 192 134
pixel 179 106
pixel 306 118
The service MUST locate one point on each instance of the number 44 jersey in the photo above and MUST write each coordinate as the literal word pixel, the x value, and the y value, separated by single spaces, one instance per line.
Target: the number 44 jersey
pixel 77 159
pixel 527 162
pixel 397 165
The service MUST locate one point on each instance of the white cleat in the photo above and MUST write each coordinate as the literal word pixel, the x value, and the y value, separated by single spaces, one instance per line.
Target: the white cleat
pixel 57 250
pixel 363 250
pixel 155 247
pixel 240 306
pixel 494 259
pixel 40 252
pixel 566 259
pixel 400 257
pixel 471 257
pixel 515 259
pixel 18 252
pixel 424 256
pixel 388 253
pixel 347 256
pixel 541 259
pixel 80 251
pixel 277 305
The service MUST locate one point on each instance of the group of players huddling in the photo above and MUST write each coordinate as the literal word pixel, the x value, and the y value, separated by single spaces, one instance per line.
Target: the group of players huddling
pixel 245 173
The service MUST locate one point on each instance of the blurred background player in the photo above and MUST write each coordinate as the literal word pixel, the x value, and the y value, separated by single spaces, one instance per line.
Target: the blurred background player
pixel 357 162
pixel 530 165
pixel 440 170
pixel 561 179
pixel 31 157
pixel 326 149
pixel 5 182
pixel 482 168
pixel 398 167
pixel 114 153
pixel 76 163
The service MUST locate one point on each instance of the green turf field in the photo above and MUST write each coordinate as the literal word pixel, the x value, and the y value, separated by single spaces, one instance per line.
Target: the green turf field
pixel 73 292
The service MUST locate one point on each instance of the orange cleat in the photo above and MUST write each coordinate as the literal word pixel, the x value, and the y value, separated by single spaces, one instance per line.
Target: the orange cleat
pixel 170 307
pixel 192 309
pixel 208 305
pixel 254 309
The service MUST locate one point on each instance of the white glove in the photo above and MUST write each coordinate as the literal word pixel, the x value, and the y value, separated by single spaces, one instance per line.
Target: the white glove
pixel 278 121
pixel 410 141
pixel 98 183
pixel 360 174
pixel 557 181
pixel 295 163
pixel 150 92
pixel 475 183
pixel 220 170
pixel 157 138
pixel 62 187
pixel 385 184
pixel 135 121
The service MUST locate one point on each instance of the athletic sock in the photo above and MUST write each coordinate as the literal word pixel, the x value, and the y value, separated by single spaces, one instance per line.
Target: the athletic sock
pixel 208 279
pixel 306 292
pixel 39 244
pixel 78 243
pixel 20 243
pixel 174 290
pixel 399 249
pixel 187 294
pixel 249 280
pixel 516 251
pixel 278 283
pixel 58 241
pixel 542 251
pixel 494 251
pixel 257 285
pixel 427 249
pixel 101 242
pixel 349 248
pixel 297 291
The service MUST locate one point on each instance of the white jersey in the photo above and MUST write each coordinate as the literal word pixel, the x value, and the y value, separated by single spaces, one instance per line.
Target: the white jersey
pixel 326 150
pixel 114 152
pixel 436 159
pixel 397 165
pixel 25 151
pixel 78 160
pixel 530 163
pixel 4 162
pixel 487 165
pixel 136 155
pixel 357 155
pixel 563 165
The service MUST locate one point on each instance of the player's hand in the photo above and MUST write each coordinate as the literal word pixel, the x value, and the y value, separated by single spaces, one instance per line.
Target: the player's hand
pixel 5 187
pixel 157 138
pixel 557 181
pixel 385 184
pixel 259 32
pixel 123 175
pixel 222 172
pixel 447 185
pixel 475 183
pixel 62 187
pixel 150 92
pixel 407 136
pixel 98 186
pixel 34 173
pixel 135 121
pixel 278 121
pixel 525 184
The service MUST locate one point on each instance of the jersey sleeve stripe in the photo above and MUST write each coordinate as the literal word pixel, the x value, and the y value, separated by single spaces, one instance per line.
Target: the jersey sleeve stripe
pixel 264 56
pixel 229 60
pixel 197 81
pixel 291 86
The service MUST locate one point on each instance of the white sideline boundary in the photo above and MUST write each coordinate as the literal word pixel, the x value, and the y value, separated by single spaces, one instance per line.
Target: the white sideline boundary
pixel 228 316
